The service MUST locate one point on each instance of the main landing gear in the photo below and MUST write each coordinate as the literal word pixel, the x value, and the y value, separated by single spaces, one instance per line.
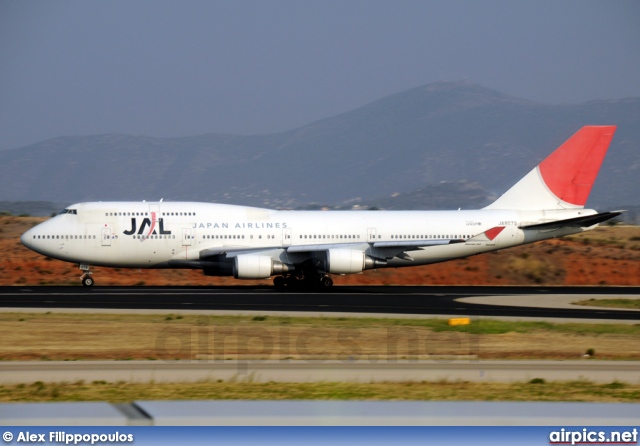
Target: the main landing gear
pixel 87 279
pixel 317 282
pixel 307 277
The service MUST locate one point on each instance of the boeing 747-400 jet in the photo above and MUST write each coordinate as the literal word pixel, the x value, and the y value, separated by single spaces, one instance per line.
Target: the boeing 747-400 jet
pixel 306 247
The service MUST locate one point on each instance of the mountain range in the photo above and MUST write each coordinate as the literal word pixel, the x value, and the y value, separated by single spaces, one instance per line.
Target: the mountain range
pixel 433 141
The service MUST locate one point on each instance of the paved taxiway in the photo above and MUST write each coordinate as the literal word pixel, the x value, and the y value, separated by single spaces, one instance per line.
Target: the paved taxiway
pixel 363 370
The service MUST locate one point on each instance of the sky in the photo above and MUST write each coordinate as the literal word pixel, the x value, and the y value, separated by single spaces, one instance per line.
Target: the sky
pixel 180 68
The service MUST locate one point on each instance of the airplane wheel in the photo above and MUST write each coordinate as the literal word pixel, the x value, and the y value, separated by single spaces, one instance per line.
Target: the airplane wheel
pixel 279 282
pixel 327 281
pixel 87 281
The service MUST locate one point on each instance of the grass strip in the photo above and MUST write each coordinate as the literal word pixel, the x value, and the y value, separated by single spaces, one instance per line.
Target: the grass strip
pixel 535 390
pixel 479 325
pixel 633 304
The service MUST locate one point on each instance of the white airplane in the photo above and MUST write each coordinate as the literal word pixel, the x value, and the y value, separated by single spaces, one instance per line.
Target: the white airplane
pixel 306 247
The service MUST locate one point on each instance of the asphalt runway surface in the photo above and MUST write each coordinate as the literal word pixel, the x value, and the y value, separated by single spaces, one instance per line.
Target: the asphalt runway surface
pixel 400 300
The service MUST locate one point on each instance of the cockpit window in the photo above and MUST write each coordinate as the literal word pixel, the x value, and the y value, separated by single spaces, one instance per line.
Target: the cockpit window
pixel 68 211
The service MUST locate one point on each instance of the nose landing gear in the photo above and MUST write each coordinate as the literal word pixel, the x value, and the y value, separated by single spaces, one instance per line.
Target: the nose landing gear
pixel 86 278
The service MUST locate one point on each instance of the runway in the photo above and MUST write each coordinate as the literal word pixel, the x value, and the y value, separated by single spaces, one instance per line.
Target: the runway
pixel 520 302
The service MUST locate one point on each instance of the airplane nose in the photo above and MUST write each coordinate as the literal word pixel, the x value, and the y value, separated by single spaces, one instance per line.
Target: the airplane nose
pixel 26 238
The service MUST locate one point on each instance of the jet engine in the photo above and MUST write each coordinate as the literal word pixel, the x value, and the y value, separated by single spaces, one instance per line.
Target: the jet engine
pixel 249 266
pixel 345 261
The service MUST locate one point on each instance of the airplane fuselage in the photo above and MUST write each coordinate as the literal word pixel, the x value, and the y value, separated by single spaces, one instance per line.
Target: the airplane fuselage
pixel 165 234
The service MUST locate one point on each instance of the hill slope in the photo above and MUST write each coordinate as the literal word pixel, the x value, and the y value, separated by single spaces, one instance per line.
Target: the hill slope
pixel 449 131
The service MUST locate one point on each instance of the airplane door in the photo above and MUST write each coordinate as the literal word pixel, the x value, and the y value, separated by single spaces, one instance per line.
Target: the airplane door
pixel 371 234
pixel 187 237
pixel 106 237
pixel 286 237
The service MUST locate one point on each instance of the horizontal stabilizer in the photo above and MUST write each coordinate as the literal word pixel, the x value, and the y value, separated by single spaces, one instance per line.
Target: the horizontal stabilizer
pixel 578 222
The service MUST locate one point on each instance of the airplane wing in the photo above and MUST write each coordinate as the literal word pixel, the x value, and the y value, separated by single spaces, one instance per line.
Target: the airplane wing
pixel 577 222
pixel 412 245
pixel 400 248
pixel 387 249
pixel 322 247
pixel 232 251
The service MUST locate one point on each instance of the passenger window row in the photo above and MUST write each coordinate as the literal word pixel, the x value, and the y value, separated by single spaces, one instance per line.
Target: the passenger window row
pixel 425 237
pixel 227 237
pixel 65 237
pixel 126 214
pixel 324 236
pixel 153 236
pixel 223 236
pixel 136 214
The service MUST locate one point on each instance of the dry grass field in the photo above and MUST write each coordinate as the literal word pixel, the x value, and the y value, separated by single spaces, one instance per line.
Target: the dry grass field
pixel 64 337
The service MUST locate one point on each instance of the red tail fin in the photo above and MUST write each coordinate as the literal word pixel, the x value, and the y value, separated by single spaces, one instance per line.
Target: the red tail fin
pixel 571 170
pixel 564 179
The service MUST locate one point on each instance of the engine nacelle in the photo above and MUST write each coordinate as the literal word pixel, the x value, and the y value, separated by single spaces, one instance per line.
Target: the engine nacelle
pixel 251 266
pixel 345 261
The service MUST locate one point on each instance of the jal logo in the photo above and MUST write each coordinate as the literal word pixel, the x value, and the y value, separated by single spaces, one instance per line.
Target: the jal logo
pixel 147 223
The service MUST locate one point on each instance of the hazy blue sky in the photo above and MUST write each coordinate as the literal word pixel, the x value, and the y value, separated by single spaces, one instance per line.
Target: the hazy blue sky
pixel 176 68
